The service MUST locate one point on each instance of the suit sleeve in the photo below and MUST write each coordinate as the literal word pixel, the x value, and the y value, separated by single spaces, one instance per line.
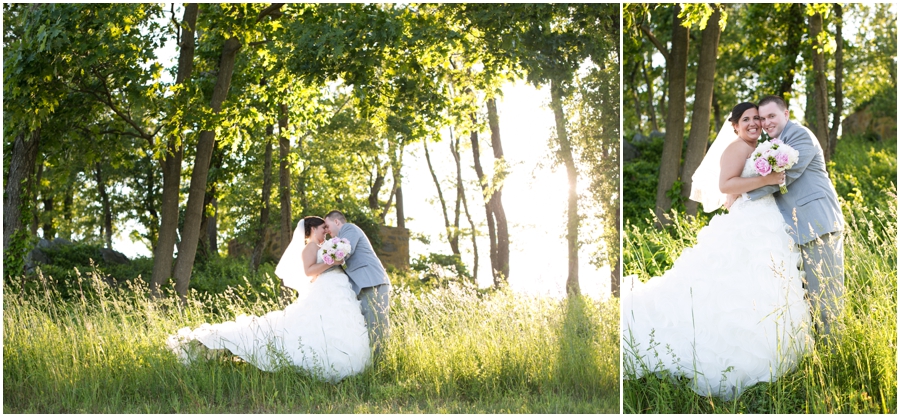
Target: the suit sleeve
pixel 802 142
pixel 353 234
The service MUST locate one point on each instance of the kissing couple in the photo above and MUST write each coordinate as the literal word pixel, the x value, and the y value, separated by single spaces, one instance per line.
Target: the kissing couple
pixel 338 322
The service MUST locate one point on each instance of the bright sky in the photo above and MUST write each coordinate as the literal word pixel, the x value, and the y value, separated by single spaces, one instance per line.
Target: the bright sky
pixel 534 198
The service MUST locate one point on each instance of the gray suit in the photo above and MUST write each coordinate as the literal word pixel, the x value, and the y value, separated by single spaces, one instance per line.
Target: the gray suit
pixel 811 210
pixel 371 283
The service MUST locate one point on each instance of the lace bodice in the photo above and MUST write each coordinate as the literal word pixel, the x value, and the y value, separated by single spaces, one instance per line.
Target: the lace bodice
pixel 744 203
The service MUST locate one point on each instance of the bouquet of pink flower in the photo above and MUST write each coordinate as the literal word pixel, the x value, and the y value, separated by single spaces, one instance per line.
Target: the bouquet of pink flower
pixel 774 156
pixel 334 249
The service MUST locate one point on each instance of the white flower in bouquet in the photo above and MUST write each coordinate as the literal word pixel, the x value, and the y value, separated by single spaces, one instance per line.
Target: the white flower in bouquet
pixel 334 249
pixel 774 156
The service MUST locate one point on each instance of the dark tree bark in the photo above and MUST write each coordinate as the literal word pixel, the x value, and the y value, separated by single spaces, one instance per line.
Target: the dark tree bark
pixel 256 257
pixel 21 168
pixel 821 83
pixel 47 227
pixel 213 228
pixel 838 78
pixel 205 146
pixel 565 150
pixel 452 233
pixel 488 208
pixel 104 202
pixel 699 136
pixel 68 201
pixel 634 94
pixel 376 185
pixel 150 204
pixel 171 164
pixel 497 197
pixel 284 180
pixel 672 147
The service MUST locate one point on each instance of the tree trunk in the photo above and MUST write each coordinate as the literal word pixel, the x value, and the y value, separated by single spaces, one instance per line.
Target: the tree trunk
pixel 838 78
pixel 34 186
pixel 821 83
pixel 699 136
pixel 461 197
pixel 256 257
pixel 671 154
pixel 150 204
pixel 213 228
pixel 47 226
pixel 104 202
pixel 717 111
pixel 634 95
pixel 792 49
pixel 68 201
pixel 401 216
pixel 650 108
pixel 284 180
pixel 171 165
pixel 197 191
pixel 616 272
pixel 488 207
pixel 497 197
pixel 21 168
pixel 565 150
pixel 452 233
pixel 376 185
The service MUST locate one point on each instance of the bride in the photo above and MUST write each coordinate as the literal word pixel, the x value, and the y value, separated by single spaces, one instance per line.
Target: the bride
pixel 322 331
pixel 731 311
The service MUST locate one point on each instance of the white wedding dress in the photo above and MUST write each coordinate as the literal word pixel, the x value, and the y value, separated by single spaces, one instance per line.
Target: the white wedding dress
pixel 323 331
pixel 731 311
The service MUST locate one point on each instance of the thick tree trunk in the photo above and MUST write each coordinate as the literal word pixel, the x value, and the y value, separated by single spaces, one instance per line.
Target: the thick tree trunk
pixel 197 191
pixel 256 257
pixel 171 165
pixel 572 284
pixel 699 136
pixel 488 207
pixel 821 83
pixel 21 168
pixel 671 154
pixel 104 202
pixel 150 204
pixel 838 79
pixel 284 180
pixel 452 233
pixel 497 197
pixel 792 49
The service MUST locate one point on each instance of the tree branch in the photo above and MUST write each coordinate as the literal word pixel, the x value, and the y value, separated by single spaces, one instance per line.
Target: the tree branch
pixel 659 46
pixel 271 10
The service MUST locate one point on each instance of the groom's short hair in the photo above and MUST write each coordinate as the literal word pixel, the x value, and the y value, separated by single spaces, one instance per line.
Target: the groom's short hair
pixel 336 215
pixel 774 99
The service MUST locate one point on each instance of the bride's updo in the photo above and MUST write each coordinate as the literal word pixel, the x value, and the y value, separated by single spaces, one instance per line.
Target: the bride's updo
pixel 311 222
pixel 738 111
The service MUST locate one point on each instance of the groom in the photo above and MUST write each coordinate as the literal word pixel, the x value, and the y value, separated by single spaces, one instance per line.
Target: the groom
pixel 812 211
pixel 367 277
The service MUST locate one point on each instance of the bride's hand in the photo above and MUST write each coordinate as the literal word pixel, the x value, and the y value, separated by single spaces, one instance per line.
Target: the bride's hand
pixel 775 178
pixel 338 262
pixel 313 279
pixel 730 199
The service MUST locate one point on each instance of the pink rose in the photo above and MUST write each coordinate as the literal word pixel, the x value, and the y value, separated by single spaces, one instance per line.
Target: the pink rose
pixel 777 142
pixel 328 260
pixel 782 159
pixel 339 254
pixel 762 166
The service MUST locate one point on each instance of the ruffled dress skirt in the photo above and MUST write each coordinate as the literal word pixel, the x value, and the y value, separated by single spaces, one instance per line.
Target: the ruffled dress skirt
pixel 322 332
pixel 730 312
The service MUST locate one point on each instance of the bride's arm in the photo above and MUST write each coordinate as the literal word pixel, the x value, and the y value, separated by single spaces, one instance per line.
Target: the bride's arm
pixel 732 164
pixel 310 267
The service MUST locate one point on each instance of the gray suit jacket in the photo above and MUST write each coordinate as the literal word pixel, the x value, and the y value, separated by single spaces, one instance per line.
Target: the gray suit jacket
pixel 363 266
pixel 810 192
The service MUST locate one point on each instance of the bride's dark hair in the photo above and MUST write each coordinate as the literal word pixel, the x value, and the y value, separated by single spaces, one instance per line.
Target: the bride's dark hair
pixel 311 222
pixel 739 110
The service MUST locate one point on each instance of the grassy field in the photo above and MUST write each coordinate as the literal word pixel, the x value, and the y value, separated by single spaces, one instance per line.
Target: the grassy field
pixel 452 350
pixel 859 375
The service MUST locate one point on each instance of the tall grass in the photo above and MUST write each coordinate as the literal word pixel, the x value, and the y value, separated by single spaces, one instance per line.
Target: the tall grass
pixel 858 374
pixel 451 350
